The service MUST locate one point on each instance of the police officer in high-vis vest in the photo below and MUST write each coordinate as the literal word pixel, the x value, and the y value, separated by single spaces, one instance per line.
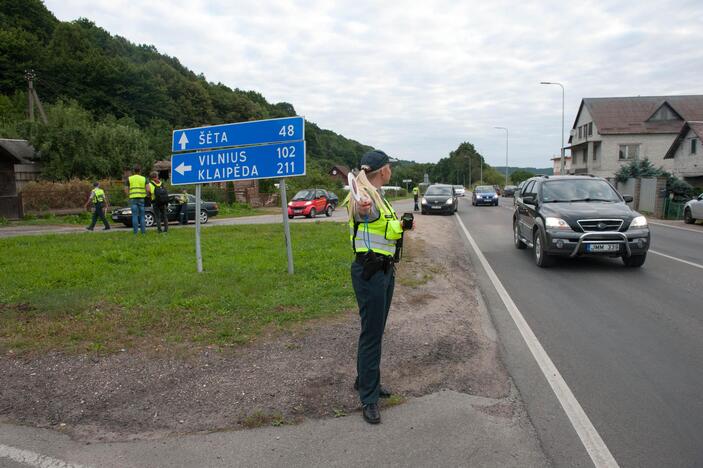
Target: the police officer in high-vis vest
pixel 137 189
pixel 98 198
pixel 416 195
pixel 375 234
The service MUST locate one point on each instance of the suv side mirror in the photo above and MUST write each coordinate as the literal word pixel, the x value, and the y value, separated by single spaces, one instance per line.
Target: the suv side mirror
pixel 627 198
pixel 529 200
pixel 700 197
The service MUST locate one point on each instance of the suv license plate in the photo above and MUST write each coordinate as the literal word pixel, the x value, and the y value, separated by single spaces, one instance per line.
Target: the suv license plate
pixel 602 247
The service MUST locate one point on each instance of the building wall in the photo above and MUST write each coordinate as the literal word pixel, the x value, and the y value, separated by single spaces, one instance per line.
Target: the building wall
pixel 686 164
pixel 607 162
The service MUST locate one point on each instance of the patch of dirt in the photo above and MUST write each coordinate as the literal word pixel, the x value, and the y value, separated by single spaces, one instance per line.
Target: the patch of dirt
pixel 434 340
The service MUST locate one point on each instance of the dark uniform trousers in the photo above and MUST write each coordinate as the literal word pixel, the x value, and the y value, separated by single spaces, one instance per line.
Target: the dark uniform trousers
pixel 99 213
pixel 374 298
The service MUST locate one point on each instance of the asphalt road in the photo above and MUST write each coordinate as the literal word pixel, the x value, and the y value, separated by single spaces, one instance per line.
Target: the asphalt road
pixel 626 341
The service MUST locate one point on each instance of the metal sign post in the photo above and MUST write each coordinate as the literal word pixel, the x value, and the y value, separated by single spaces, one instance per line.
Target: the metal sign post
pixel 198 253
pixel 286 225
pixel 261 149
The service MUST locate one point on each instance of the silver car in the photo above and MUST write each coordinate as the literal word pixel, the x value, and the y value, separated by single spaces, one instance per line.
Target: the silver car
pixel 693 210
pixel 459 190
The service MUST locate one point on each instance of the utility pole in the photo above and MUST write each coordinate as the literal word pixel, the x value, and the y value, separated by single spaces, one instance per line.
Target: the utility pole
pixel 470 181
pixel 30 76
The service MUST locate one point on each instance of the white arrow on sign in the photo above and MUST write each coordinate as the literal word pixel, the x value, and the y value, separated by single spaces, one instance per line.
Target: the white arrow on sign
pixel 182 168
pixel 183 141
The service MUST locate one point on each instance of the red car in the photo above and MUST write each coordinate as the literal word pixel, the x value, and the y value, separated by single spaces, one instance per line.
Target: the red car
pixel 309 203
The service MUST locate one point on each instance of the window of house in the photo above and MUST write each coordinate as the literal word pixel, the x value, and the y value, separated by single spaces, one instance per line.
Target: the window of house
pixel 694 145
pixel 590 128
pixel 629 152
pixel 580 135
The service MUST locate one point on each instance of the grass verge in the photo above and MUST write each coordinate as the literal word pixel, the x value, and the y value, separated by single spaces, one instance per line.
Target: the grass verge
pixel 77 293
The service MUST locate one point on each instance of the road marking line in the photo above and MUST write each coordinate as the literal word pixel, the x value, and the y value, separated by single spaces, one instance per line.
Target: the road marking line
pixel 697 231
pixel 592 441
pixel 33 459
pixel 677 259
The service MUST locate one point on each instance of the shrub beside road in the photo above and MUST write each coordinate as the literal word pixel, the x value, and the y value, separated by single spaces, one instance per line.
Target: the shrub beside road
pixel 108 292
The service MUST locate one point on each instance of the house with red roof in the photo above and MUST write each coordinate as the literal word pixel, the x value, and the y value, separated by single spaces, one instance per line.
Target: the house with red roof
pixel 610 132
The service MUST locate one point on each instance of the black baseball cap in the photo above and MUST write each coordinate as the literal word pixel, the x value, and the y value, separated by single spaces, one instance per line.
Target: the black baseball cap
pixel 375 160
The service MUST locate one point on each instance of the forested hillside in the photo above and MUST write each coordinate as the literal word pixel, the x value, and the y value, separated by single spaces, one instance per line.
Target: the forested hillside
pixel 111 102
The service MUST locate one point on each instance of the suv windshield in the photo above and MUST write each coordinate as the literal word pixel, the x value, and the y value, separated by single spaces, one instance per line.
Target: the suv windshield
pixel 304 195
pixel 435 190
pixel 583 190
pixel 485 189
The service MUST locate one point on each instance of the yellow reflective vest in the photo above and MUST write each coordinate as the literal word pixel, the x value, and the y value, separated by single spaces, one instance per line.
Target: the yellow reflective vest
pixel 98 195
pixel 137 186
pixel 380 235
pixel 416 191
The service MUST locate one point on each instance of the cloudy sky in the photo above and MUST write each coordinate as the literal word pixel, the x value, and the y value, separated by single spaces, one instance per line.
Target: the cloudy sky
pixel 418 78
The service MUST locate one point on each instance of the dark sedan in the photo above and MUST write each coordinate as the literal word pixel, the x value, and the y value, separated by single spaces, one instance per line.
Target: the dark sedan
pixel 207 210
pixel 484 195
pixel 440 199
pixel 509 190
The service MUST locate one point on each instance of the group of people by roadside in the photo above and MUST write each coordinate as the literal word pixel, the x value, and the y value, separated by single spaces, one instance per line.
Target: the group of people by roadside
pixel 142 192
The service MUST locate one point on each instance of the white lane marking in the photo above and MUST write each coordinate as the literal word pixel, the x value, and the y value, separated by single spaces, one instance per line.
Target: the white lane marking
pixel 677 259
pixel 697 231
pixel 33 459
pixel 592 441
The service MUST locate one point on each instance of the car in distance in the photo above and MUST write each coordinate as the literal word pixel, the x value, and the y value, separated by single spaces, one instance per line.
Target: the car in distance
pixel 207 211
pixel 309 203
pixel 509 190
pixel 439 198
pixel 573 216
pixel 693 210
pixel 484 195
pixel 334 199
pixel 459 190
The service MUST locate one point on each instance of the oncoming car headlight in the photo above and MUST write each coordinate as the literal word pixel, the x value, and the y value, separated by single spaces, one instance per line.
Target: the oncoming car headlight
pixel 424 201
pixel 449 201
pixel 638 222
pixel 556 223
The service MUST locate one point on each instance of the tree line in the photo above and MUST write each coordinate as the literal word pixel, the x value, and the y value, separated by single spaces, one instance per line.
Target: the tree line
pixel 111 103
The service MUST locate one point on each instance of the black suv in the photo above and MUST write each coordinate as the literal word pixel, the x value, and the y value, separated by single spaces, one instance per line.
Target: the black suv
pixel 571 216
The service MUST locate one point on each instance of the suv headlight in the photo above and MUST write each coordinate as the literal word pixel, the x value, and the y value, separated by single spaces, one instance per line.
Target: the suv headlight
pixel 449 201
pixel 638 222
pixel 424 201
pixel 556 223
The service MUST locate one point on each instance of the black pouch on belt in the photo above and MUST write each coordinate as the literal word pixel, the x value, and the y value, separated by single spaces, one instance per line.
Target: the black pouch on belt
pixel 372 263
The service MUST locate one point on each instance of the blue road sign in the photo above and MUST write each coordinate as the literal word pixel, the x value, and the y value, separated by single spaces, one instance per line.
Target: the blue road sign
pixel 239 134
pixel 252 162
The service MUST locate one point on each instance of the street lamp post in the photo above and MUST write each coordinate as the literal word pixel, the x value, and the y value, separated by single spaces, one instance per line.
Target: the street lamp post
pixel 506 152
pixel 561 162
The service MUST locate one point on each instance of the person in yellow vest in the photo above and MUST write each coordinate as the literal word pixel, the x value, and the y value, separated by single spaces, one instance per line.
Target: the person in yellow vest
pixel 416 196
pixel 98 198
pixel 376 235
pixel 182 199
pixel 137 189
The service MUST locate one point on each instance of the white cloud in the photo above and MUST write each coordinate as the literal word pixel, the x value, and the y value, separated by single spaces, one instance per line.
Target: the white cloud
pixel 418 78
